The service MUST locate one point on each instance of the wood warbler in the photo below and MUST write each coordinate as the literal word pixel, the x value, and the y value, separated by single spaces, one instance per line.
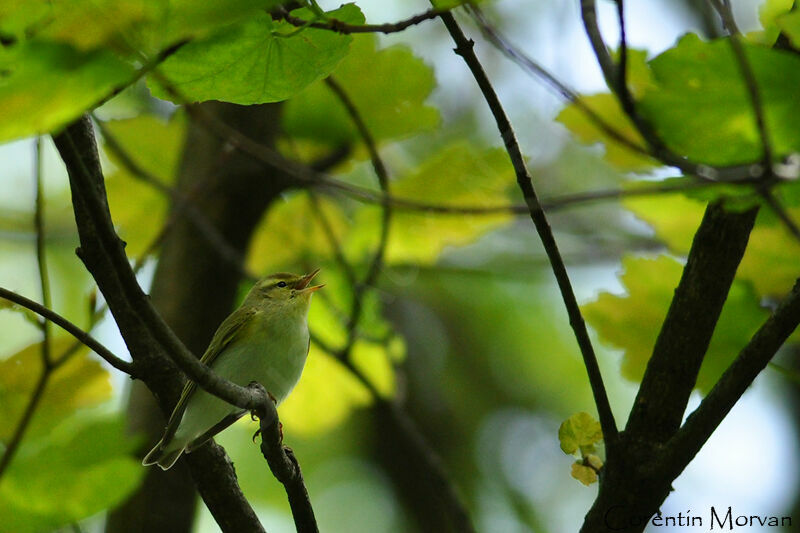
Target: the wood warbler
pixel 265 340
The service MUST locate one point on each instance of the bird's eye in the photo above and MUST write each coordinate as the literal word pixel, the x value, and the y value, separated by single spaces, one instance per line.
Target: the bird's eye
pixel 281 284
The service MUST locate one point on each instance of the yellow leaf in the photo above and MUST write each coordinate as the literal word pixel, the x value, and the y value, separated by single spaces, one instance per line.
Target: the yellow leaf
pixel 584 474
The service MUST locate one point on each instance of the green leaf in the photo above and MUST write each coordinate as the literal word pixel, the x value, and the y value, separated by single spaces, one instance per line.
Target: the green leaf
pixel 123 25
pixel 139 208
pixel 72 473
pixel 255 61
pixel 388 87
pixel 632 322
pixel 80 382
pixel 701 108
pixel 459 174
pixel 43 86
pixel 579 432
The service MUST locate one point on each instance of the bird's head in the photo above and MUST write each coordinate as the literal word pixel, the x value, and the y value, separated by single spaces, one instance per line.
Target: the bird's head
pixel 283 289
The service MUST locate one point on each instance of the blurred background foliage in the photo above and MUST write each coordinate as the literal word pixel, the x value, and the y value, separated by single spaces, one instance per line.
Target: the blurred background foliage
pixel 465 324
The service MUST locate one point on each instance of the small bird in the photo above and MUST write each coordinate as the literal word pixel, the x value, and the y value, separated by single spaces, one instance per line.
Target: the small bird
pixel 265 340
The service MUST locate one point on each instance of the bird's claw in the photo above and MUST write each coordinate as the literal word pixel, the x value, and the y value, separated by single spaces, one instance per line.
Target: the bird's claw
pixel 256 434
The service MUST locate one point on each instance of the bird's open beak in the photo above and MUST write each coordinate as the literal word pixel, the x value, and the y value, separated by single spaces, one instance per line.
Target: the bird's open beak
pixel 302 285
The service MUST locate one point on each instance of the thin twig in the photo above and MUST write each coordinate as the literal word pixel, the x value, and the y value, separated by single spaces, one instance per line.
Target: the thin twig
pixel 375 265
pixel 47 365
pixel 464 48
pixel 657 148
pixel 327 229
pixel 41 257
pixel 749 78
pixel 345 28
pixel 780 211
pixel 757 104
pixel 72 329
pixel 622 73
pixel 532 67
pixel 423 451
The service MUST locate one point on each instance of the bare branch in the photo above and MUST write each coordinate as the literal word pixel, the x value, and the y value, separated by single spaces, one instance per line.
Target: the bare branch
pixel 103 254
pixel 532 67
pixel 464 48
pixel 285 467
pixel 731 386
pixel 717 249
pixel 72 329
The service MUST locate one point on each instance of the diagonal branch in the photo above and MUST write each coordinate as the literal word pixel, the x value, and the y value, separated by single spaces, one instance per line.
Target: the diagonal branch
pixel 671 373
pixel 464 48
pixel 731 386
pixel 142 329
pixel 72 329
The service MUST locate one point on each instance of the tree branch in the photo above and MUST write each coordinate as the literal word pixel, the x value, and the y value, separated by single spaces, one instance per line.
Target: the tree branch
pixel 345 28
pixel 716 251
pixel 89 194
pixel 72 329
pixel 103 254
pixel 464 48
pixel 734 381
pixel 285 468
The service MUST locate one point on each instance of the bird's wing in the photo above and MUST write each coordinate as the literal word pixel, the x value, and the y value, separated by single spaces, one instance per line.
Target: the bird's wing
pixel 226 333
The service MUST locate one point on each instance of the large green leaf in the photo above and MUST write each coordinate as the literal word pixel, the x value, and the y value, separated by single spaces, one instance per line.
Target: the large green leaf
pixel 388 87
pixel 74 472
pixel 124 25
pixel 255 61
pixel 632 322
pixel 44 85
pixel 702 110
pixel 137 207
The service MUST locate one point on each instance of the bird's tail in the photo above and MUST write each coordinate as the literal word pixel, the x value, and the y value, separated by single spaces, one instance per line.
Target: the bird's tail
pixel 162 456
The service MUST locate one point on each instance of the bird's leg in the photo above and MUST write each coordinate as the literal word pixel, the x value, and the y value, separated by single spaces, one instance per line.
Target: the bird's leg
pixel 253 417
